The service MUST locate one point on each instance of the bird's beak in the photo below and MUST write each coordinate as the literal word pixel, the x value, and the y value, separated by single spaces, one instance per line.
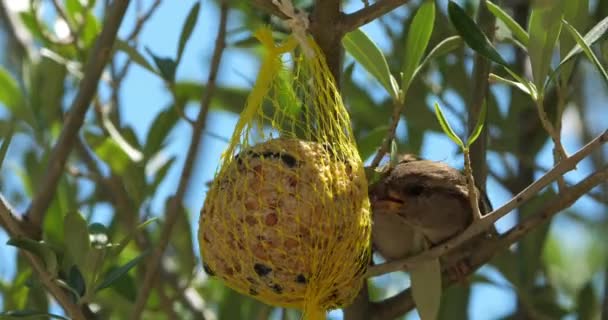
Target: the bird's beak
pixel 386 206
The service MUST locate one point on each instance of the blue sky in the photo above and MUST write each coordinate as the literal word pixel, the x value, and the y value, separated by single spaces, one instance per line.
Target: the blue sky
pixel 144 96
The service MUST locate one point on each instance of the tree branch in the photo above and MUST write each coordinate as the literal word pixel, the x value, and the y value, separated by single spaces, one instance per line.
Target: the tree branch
pixel 356 19
pixel 9 220
pixel 403 302
pixel 88 87
pixel 325 15
pixel 488 220
pixel 176 202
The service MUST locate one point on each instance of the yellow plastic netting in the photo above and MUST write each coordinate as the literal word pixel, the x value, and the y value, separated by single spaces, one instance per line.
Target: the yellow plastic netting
pixel 287 217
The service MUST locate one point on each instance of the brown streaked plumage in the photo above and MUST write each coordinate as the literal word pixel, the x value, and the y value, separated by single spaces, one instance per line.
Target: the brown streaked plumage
pixel 419 201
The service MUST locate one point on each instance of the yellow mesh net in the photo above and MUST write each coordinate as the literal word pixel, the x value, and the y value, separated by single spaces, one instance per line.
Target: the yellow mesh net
pixel 287 217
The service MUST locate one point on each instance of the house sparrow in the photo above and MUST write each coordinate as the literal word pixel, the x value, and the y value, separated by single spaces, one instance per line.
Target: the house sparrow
pixel 419 203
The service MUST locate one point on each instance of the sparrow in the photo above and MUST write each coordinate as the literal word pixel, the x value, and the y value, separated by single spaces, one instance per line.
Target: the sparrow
pixel 420 203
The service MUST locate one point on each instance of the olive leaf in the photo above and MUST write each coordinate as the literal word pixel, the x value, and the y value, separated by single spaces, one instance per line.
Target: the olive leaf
pixel 426 288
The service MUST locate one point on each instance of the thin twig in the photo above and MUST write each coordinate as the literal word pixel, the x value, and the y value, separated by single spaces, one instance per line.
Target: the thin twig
pixel 485 222
pixel 117 76
pixel 141 20
pixel 476 169
pixel 75 118
pixel 356 19
pixel 401 303
pixel 11 222
pixel 268 7
pixel 176 201
pixel 390 135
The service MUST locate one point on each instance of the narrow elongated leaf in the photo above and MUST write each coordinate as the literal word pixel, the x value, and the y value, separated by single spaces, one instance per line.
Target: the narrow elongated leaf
pixel 446 46
pixel 515 84
pixel 10 95
pixel 445 126
pixel 417 40
pixel 29 314
pixel 110 152
pixel 76 235
pixel 116 274
pixel 472 34
pixel 581 42
pixel 590 38
pixel 123 243
pixel 6 142
pixel 165 65
pixel 394 159
pixel 187 29
pixel 135 56
pixel 426 288
pixel 159 130
pixel 76 281
pixel 368 144
pixel 481 119
pixel 133 154
pixel 39 249
pixel 518 32
pixel 544 28
pixel 575 12
pixel 365 51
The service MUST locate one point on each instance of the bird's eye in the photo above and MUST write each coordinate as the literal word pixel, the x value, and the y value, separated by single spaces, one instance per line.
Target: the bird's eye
pixel 414 190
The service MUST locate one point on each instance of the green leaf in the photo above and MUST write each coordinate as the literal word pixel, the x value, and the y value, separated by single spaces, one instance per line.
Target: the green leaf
pixel 116 274
pixel 472 34
pixel 126 287
pixel 445 126
pixel 76 237
pixel 370 142
pixel 29 314
pixel 587 303
pixel 73 8
pixel 36 29
pixel 159 130
pixel 581 42
pixel 187 29
pixel 481 119
pixel 124 242
pixel 575 12
pixel 518 32
pixel 590 38
pixel 426 288
pixel 10 94
pixel 159 174
pixel 446 46
pixel 6 142
pixel 522 87
pixel 135 56
pixel 417 40
pixel 225 98
pixel 166 66
pixel 182 239
pixel 110 152
pixel 76 281
pixel 544 28
pixel 133 154
pixel 40 250
pixel 394 155
pixel 365 51
pixel 372 175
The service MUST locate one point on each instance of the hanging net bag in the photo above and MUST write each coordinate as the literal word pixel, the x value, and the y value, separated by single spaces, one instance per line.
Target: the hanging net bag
pixel 287 218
